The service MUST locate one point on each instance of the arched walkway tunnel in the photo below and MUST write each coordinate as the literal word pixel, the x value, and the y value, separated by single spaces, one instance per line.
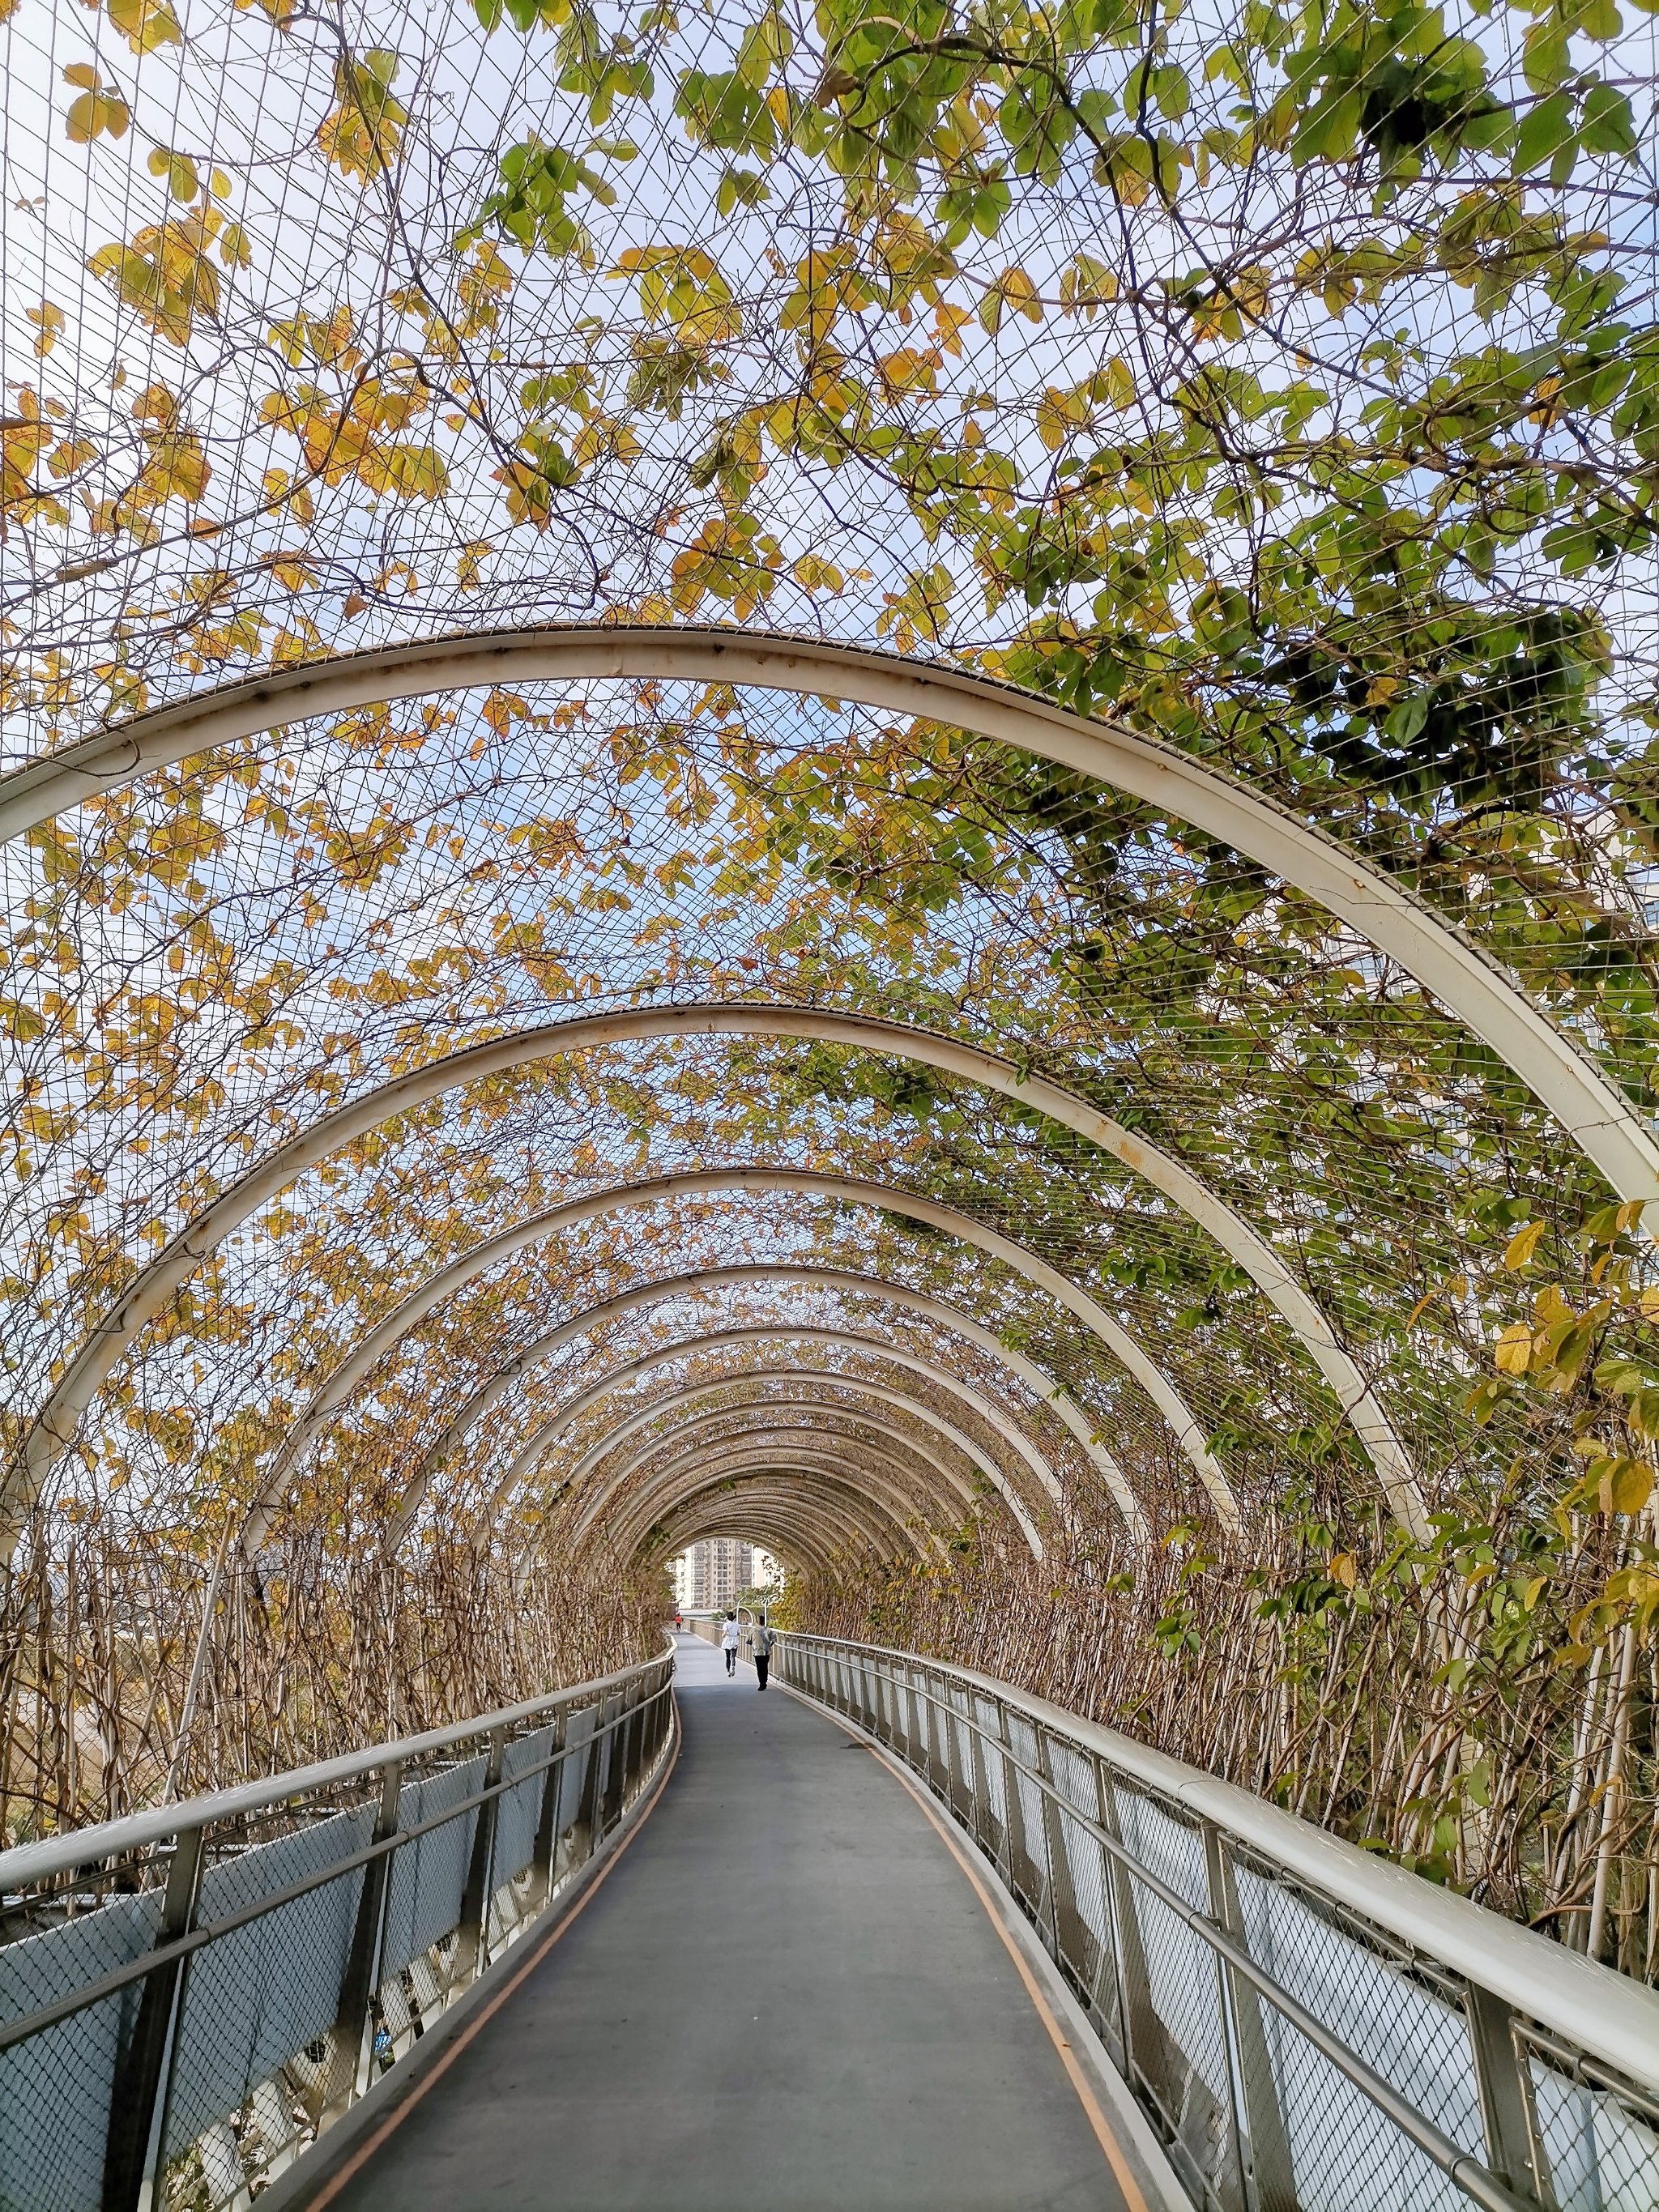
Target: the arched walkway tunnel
pixel 879 784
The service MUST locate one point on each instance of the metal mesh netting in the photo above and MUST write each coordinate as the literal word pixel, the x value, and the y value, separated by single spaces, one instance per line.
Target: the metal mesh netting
pixel 1276 388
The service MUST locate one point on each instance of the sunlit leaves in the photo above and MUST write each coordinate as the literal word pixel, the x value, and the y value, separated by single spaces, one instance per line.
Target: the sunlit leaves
pixel 98 107
pixel 360 133
pixel 730 557
pixel 169 273
pixel 145 24
pixel 680 287
pixel 532 205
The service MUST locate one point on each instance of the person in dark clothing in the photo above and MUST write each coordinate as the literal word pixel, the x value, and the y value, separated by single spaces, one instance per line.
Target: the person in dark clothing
pixel 760 1641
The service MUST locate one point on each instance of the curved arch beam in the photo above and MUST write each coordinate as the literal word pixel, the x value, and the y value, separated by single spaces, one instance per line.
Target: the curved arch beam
pixel 1041 1385
pixel 839 1473
pixel 464 1422
pixel 911 1485
pixel 861 1475
pixel 598 1452
pixel 785 1523
pixel 698 1182
pixel 56 1425
pixel 856 1191
pixel 781 1521
pixel 926 1049
pixel 1585 1101
pixel 987 1412
pixel 590 1509
pixel 845 1480
pixel 722 1340
pixel 804 1182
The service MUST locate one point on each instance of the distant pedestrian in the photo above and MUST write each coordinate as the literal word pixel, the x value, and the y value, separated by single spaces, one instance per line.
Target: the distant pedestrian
pixel 729 1642
pixel 761 1642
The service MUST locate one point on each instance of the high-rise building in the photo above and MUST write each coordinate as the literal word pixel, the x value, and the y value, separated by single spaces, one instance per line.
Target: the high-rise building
pixel 716 1573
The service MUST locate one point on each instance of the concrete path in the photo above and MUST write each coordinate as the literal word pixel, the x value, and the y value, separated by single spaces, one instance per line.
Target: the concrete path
pixel 786 1995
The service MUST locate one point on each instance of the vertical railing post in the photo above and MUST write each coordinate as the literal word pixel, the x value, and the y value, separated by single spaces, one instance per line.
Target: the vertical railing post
pixel 1513 2142
pixel 1074 1941
pixel 1023 1875
pixel 583 1828
pixel 611 1810
pixel 1141 2030
pixel 470 1933
pixel 138 2095
pixel 987 1828
pixel 541 1851
pixel 1259 2126
pixel 363 1974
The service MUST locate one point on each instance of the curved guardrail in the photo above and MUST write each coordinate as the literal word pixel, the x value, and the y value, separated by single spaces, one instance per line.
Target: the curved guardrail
pixel 188 1997
pixel 1309 2028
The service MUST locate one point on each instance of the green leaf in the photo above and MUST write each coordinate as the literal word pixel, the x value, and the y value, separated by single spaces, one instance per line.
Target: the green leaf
pixel 1543 133
pixel 1607 125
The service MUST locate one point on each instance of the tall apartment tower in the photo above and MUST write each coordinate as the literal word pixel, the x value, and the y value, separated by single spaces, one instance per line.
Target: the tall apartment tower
pixel 718 1570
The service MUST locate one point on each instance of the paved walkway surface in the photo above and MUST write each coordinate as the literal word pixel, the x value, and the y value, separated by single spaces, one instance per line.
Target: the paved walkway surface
pixel 786 1995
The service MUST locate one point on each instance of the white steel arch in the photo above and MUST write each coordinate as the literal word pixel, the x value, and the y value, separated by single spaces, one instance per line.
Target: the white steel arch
pixel 56 1424
pixel 864 1467
pixel 1036 1379
pixel 837 1470
pixel 836 1336
pixel 808 1333
pixel 641 1416
pixel 781 1512
pixel 703 1468
pixel 589 1509
pixel 1587 1103
pixel 809 1183
pixel 705 1282
pixel 925 1048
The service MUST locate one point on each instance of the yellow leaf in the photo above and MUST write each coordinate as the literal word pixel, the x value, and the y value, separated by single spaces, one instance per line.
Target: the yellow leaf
pixel 1627 1484
pixel 98 108
pixel 1513 1353
pixel 50 322
pixel 1518 1251
pixel 146 24
pixel 1344 1568
pixel 182 181
pixel 1012 291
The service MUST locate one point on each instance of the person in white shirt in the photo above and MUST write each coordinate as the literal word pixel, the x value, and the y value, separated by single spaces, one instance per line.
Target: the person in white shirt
pixel 729 1642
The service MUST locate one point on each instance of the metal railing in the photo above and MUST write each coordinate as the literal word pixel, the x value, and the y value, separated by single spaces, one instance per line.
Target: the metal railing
pixel 190 1996
pixel 1307 2027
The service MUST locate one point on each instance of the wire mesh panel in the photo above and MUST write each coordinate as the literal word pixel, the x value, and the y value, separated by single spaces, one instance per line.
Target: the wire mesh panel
pixel 520 1808
pixel 429 1873
pixel 1598 2144
pixel 1412 2031
pixel 55 2089
pixel 262 1993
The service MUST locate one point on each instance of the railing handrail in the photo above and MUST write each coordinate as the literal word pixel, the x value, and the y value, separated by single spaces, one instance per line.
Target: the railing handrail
pixel 1608 2015
pixel 26 1865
